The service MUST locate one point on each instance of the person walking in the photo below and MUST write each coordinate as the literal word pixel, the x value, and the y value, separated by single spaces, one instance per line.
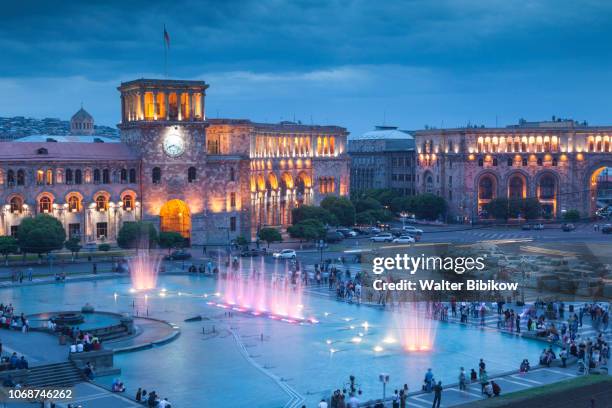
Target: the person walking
pixel 437 395
pixel 462 380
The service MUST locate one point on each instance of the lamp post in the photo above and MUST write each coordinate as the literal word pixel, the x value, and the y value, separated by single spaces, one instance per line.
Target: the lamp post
pixel 384 379
pixel 403 216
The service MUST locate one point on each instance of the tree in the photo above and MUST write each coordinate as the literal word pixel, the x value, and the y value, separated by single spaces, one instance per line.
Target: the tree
pixel 342 208
pixel 498 208
pixel 104 247
pixel 269 235
pixel 41 234
pixel 307 230
pixel 402 204
pixel 242 241
pixel 429 206
pixel 370 217
pixel 531 208
pixel 571 216
pixel 8 245
pixel 139 234
pixel 170 240
pixel 74 246
pixel 367 203
pixel 306 212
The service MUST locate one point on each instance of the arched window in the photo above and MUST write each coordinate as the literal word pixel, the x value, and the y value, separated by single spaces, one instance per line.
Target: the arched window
pixel 10 178
pixel 128 202
pixel 132 176
pixel 232 174
pixel 96 176
pixel 40 177
pixel 516 187
pixel 20 178
pixel 78 177
pixel 16 205
pixel 105 176
pixel 49 177
pixel 101 203
pixel 485 188
pixel 124 176
pixel 44 205
pixel 69 178
pixel 429 184
pixel 191 174
pixel 156 175
pixel 74 204
pixel 547 187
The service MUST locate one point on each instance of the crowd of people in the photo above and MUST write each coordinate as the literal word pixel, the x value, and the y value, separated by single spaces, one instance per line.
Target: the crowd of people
pixel 82 341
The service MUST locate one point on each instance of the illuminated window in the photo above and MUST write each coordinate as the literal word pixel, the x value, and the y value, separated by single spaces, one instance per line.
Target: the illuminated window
pixel 101 203
pixel 16 205
pixel 49 177
pixel 44 205
pixel 128 202
pixel 101 230
pixel 40 177
pixel 233 200
pixel 74 204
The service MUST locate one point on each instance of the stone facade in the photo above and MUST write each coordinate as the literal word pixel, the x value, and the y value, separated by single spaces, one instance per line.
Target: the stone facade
pixel 210 180
pixel 383 159
pixel 557 162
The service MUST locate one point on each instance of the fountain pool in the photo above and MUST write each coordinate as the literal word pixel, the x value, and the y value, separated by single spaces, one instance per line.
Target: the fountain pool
pixel 234 368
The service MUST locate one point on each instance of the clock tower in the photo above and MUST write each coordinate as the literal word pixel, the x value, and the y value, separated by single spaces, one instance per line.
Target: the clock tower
pixel 164 122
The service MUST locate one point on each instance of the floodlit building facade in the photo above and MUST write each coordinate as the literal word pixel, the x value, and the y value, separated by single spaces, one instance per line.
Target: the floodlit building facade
pixel 212 180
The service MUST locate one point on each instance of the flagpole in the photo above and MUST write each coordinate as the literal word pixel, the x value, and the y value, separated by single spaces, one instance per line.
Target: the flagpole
pixel 165 53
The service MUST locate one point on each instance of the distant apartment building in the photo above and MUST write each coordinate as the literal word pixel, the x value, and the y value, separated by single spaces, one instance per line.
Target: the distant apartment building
pixel 383 158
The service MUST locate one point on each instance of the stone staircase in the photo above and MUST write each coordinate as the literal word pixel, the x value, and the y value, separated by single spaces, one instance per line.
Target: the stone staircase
pixel 64 374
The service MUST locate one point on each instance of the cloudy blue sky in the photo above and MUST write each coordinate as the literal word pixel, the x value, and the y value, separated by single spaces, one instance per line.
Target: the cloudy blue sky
pixel 348 62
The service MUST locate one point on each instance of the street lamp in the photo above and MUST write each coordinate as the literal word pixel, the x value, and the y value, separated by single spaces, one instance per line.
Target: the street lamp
pixel 403 216
pixel 384 379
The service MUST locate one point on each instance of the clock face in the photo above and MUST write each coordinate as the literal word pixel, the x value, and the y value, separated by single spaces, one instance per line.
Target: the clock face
pixel 174 145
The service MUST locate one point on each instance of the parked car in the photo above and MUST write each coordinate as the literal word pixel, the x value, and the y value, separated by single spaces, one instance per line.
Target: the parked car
pixel 360 231
pixel 568 227
pixel 526 227
pixel 333 236
pixel 412 230
pixel 538 227
pixel 404 239
pixel 285 254
pixel 347 232
pixel 606 229
pixel 397 232
pixel 373 230
pixel 382 237
pixel 178 255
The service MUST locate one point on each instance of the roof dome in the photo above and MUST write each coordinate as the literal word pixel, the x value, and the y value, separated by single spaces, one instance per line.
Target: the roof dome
pixel 82 123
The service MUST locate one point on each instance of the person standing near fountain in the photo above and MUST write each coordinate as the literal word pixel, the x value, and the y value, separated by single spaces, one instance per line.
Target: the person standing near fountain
pixel 437 395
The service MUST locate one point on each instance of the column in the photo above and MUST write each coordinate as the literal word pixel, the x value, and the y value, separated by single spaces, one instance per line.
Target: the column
pixel 154 105
pixel 142 105
pixel 123 108
pixel 167 102
pixel 191 99
pixel 179 106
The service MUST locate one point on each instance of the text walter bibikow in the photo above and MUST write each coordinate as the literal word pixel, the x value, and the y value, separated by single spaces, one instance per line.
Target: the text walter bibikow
pixel 414 264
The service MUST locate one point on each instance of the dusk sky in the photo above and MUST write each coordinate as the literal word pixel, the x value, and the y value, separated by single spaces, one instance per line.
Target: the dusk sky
pixel 351 63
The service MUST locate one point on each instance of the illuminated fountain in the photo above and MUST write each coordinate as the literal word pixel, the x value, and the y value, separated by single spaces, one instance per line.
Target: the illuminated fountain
pixel 416 331
pixel 277 297
pixel 144 268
